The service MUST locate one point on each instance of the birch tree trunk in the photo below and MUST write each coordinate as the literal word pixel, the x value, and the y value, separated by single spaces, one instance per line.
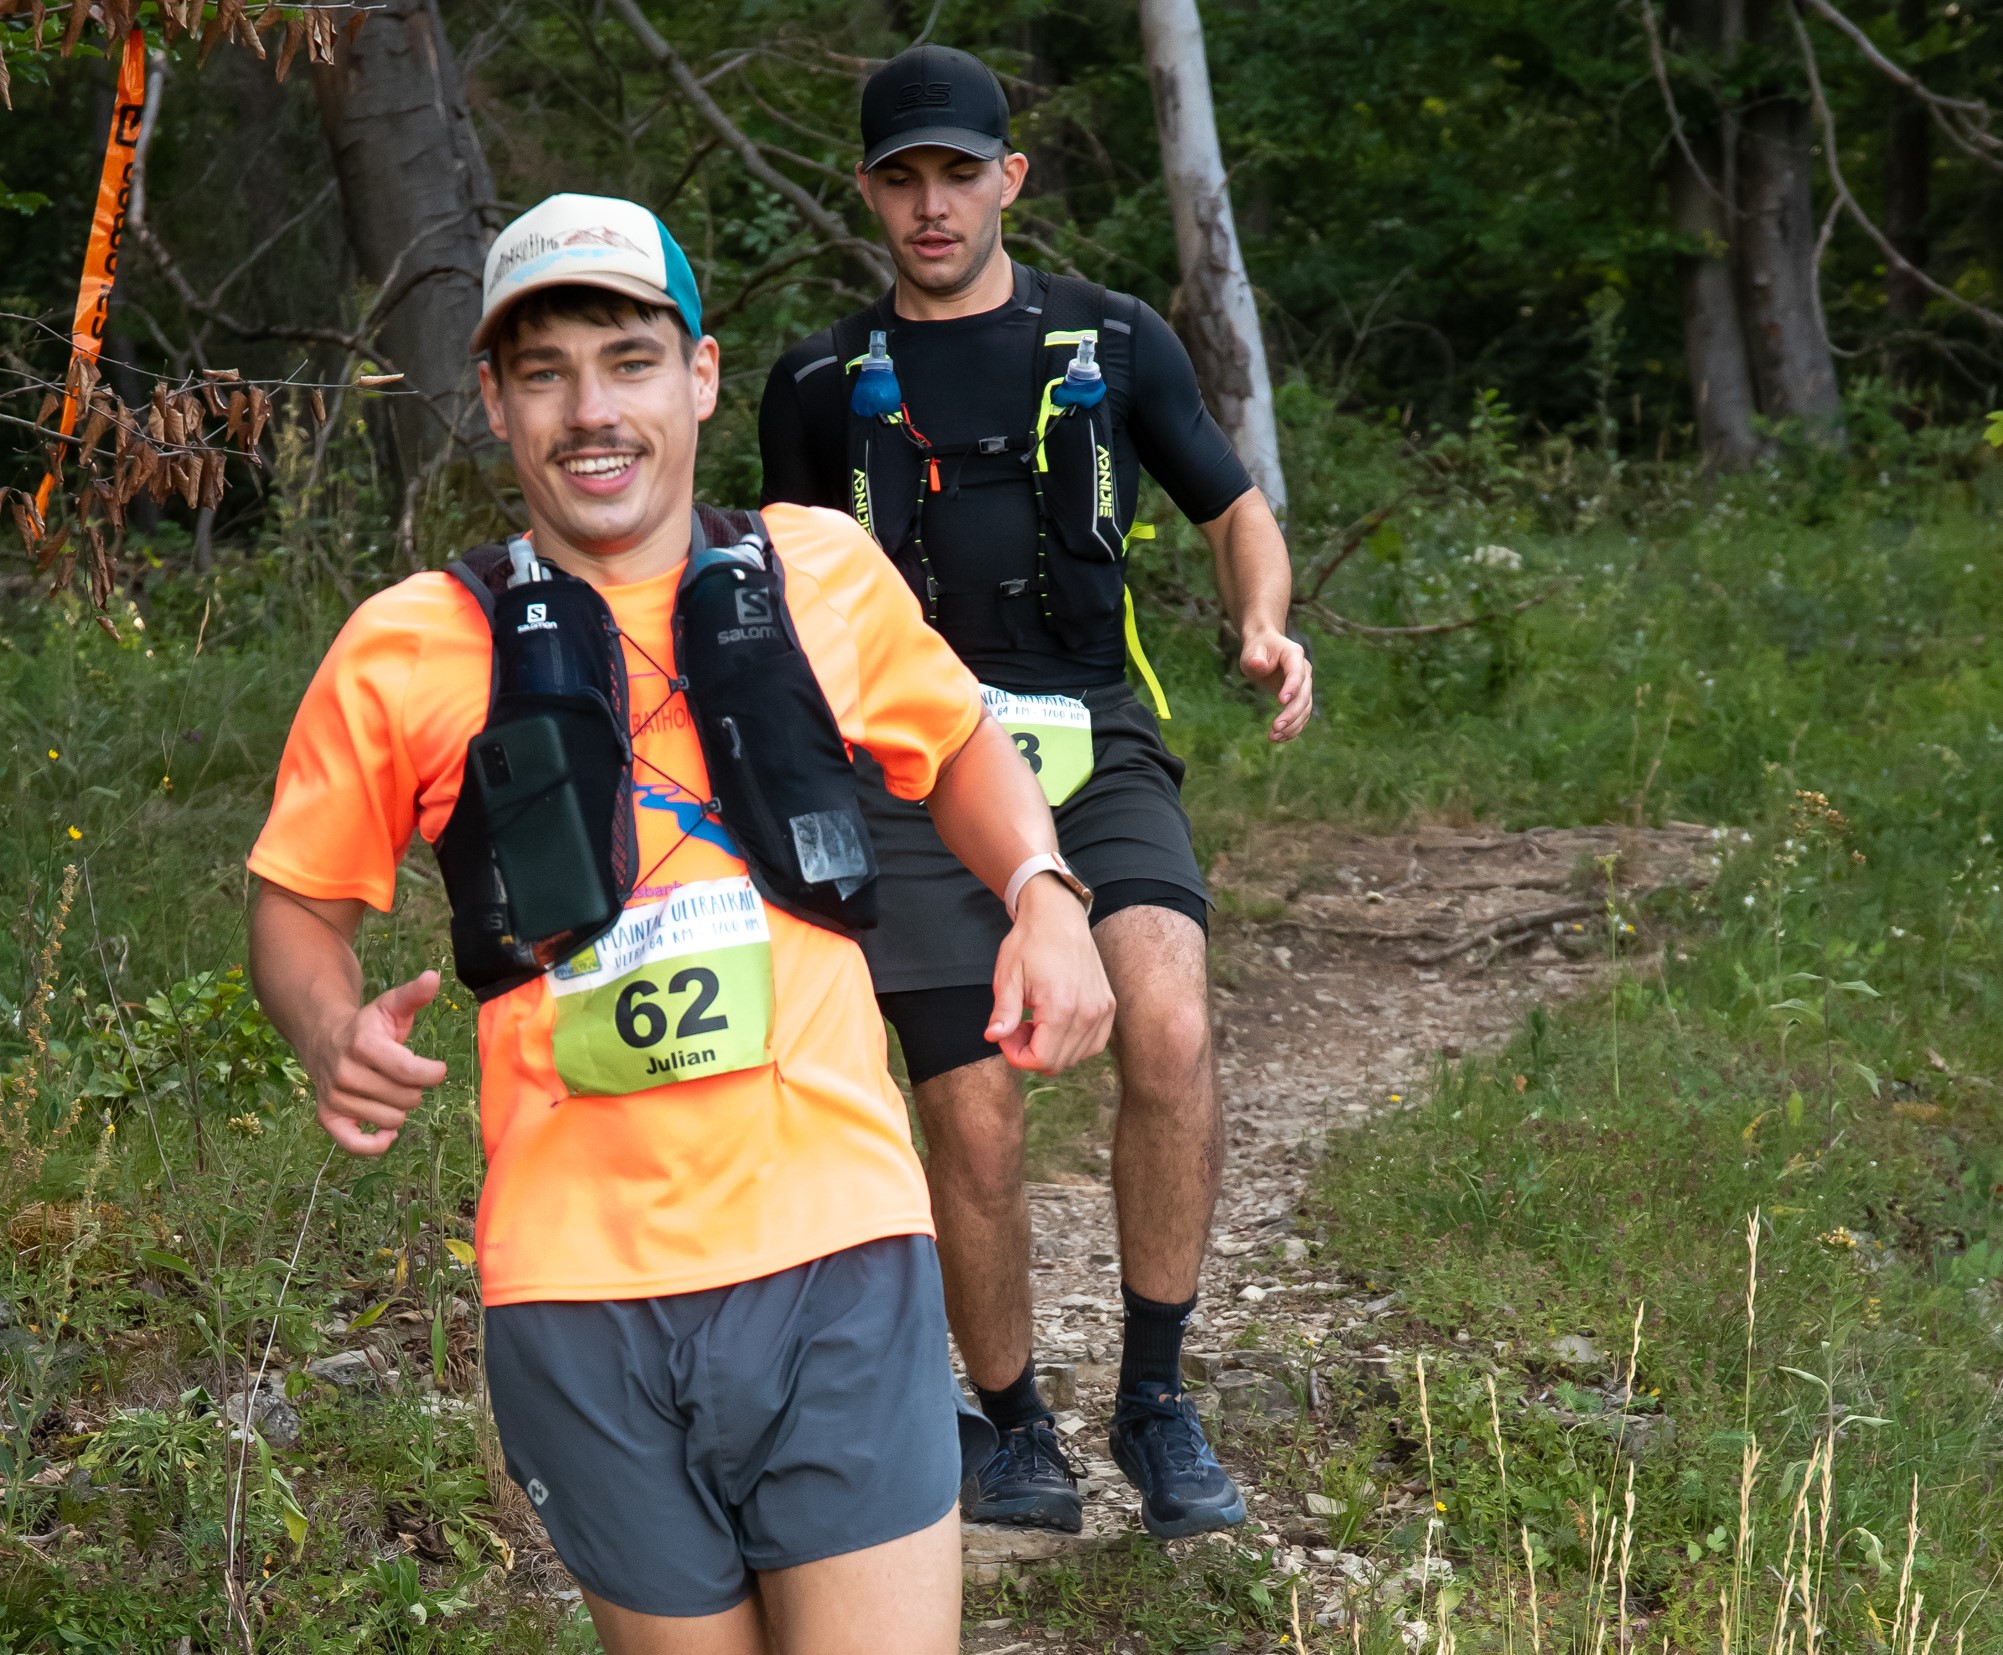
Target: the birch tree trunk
pixel 415 192
pixel 1222 326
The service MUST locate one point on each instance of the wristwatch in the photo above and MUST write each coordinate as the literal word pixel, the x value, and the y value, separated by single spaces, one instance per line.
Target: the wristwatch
pixel 1045 862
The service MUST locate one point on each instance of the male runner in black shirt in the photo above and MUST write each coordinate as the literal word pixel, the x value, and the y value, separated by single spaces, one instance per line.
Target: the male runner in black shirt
pixel 988 424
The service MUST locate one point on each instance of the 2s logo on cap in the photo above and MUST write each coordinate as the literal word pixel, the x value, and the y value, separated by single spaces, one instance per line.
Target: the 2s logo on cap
pixel 924 94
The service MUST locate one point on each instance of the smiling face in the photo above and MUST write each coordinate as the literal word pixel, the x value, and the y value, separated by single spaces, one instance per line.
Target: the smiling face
pixel 941 213
pixel 599 404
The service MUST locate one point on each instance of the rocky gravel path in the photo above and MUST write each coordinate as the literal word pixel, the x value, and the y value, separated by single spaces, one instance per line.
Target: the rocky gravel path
pixel 1345 967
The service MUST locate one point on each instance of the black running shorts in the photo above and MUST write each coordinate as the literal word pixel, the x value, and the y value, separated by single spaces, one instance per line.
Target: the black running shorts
pixel 675 1446
pixel 1124 832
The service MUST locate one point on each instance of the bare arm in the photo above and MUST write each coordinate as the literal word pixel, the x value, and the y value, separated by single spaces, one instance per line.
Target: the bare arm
pixel 303 965
pixel 992 815
pixel 1255 579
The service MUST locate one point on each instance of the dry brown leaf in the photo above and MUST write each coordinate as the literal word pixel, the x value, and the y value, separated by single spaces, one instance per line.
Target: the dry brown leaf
pixel 355 22
pixel 260 411
pixel 318 403
pixel 369 382
pixel 191 417
pixel 213 463
pixel 38 11
pixel 269 18
pixel 6 82
pixel 116 15
pixel 112 506
pixel 94 428
pixel 228 374
pixel 295 31
pixel 239 406
pixel 103 572
pixel 82 378
pixel 218 29
pixel 45 554
pixel 156 418
pixel 27 520
pixel 214 399
pixel 106 622
pixel 73 32
pixel 188 478
pixel 51 405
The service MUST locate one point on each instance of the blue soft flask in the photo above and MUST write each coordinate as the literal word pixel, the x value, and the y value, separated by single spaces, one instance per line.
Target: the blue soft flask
pixel 876 389
pixel 1083 385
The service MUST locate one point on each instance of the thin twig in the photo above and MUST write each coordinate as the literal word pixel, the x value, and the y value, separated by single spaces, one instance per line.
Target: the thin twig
pixel 1508 922
pixel 1435 629
pixel 830 224
pixel 1893 256
pixel 1660 68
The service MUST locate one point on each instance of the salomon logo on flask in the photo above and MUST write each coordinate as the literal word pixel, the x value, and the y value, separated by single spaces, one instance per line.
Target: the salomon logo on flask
pixel 537 619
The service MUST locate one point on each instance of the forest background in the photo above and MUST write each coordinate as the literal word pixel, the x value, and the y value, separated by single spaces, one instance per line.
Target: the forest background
pixel 1631 440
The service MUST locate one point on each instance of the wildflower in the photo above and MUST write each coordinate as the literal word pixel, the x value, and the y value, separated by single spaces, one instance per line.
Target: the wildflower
pixel 75 831
pixel 1497 557
pixel 1397 1097
pixel 247 1126
pixel 55 755
pixel 1749 899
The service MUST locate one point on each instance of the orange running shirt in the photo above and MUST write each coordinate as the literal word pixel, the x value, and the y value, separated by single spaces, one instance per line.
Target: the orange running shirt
pixel 706 1181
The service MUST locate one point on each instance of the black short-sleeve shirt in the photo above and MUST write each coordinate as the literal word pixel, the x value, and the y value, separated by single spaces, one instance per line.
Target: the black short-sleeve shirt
pixel 970 377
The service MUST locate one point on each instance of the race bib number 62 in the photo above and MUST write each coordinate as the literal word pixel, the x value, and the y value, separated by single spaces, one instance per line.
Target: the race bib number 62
pixel 677 990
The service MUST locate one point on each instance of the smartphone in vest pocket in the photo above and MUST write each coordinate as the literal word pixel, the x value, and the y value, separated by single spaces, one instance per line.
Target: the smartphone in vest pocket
pixel 536 827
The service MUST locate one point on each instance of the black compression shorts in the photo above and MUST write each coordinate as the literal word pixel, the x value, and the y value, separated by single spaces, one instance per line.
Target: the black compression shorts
pixel 946 1028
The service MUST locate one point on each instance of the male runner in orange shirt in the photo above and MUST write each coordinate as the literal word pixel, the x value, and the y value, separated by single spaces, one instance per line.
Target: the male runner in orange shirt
pixel 706 1290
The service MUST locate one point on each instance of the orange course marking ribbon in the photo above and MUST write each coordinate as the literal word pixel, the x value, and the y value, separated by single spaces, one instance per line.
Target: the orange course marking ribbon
pixel 107 231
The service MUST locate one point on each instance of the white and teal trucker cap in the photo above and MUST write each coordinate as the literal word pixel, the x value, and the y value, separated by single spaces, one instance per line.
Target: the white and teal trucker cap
pixel 587 241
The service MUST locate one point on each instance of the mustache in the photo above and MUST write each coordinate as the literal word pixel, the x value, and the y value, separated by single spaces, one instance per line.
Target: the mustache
pixel 568 446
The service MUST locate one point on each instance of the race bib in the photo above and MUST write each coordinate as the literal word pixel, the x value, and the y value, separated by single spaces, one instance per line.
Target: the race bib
pixel 677 990
pixel 1053 733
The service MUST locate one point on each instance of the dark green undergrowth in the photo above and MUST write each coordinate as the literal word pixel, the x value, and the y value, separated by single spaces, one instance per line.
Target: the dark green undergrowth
pixel 1700 651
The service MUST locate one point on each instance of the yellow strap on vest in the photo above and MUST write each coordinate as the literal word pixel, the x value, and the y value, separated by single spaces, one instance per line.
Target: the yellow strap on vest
pixel 1141 660
pixel 1075 336
pixel 1045 413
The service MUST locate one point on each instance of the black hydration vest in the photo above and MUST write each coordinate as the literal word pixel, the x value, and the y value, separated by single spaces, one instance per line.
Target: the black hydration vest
pixel 782 776
pixel 1074 578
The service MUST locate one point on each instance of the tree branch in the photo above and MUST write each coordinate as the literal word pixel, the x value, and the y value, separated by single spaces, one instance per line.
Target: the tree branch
pixel 831 226
pixel 1660 67
pixel 1893 256
pixel 1965 121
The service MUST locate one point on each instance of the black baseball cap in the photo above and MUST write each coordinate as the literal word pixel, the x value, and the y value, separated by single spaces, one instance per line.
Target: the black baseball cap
pixel 934 95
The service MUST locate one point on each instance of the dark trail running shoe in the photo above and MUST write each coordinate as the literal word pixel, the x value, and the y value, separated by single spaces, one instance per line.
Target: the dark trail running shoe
pixel 1028 1483
pixel 1159 1444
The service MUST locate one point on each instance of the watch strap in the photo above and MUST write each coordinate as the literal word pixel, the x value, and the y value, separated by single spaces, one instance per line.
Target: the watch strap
pixel 1044 862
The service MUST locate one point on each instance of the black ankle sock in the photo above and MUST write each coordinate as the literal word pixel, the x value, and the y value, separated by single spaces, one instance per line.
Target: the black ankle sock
pixel 1017 1404
pixel 1151 1358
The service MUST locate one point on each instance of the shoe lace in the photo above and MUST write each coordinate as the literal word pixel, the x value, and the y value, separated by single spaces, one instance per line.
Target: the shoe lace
pixel 1027 1446
pixel 1181 1438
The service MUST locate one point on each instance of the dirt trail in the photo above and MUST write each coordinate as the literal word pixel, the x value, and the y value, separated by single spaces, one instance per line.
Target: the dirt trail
pixel 1359 963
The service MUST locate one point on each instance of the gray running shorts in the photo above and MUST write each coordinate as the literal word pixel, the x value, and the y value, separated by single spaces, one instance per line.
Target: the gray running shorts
pixel 940 927
pixel 675 1446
